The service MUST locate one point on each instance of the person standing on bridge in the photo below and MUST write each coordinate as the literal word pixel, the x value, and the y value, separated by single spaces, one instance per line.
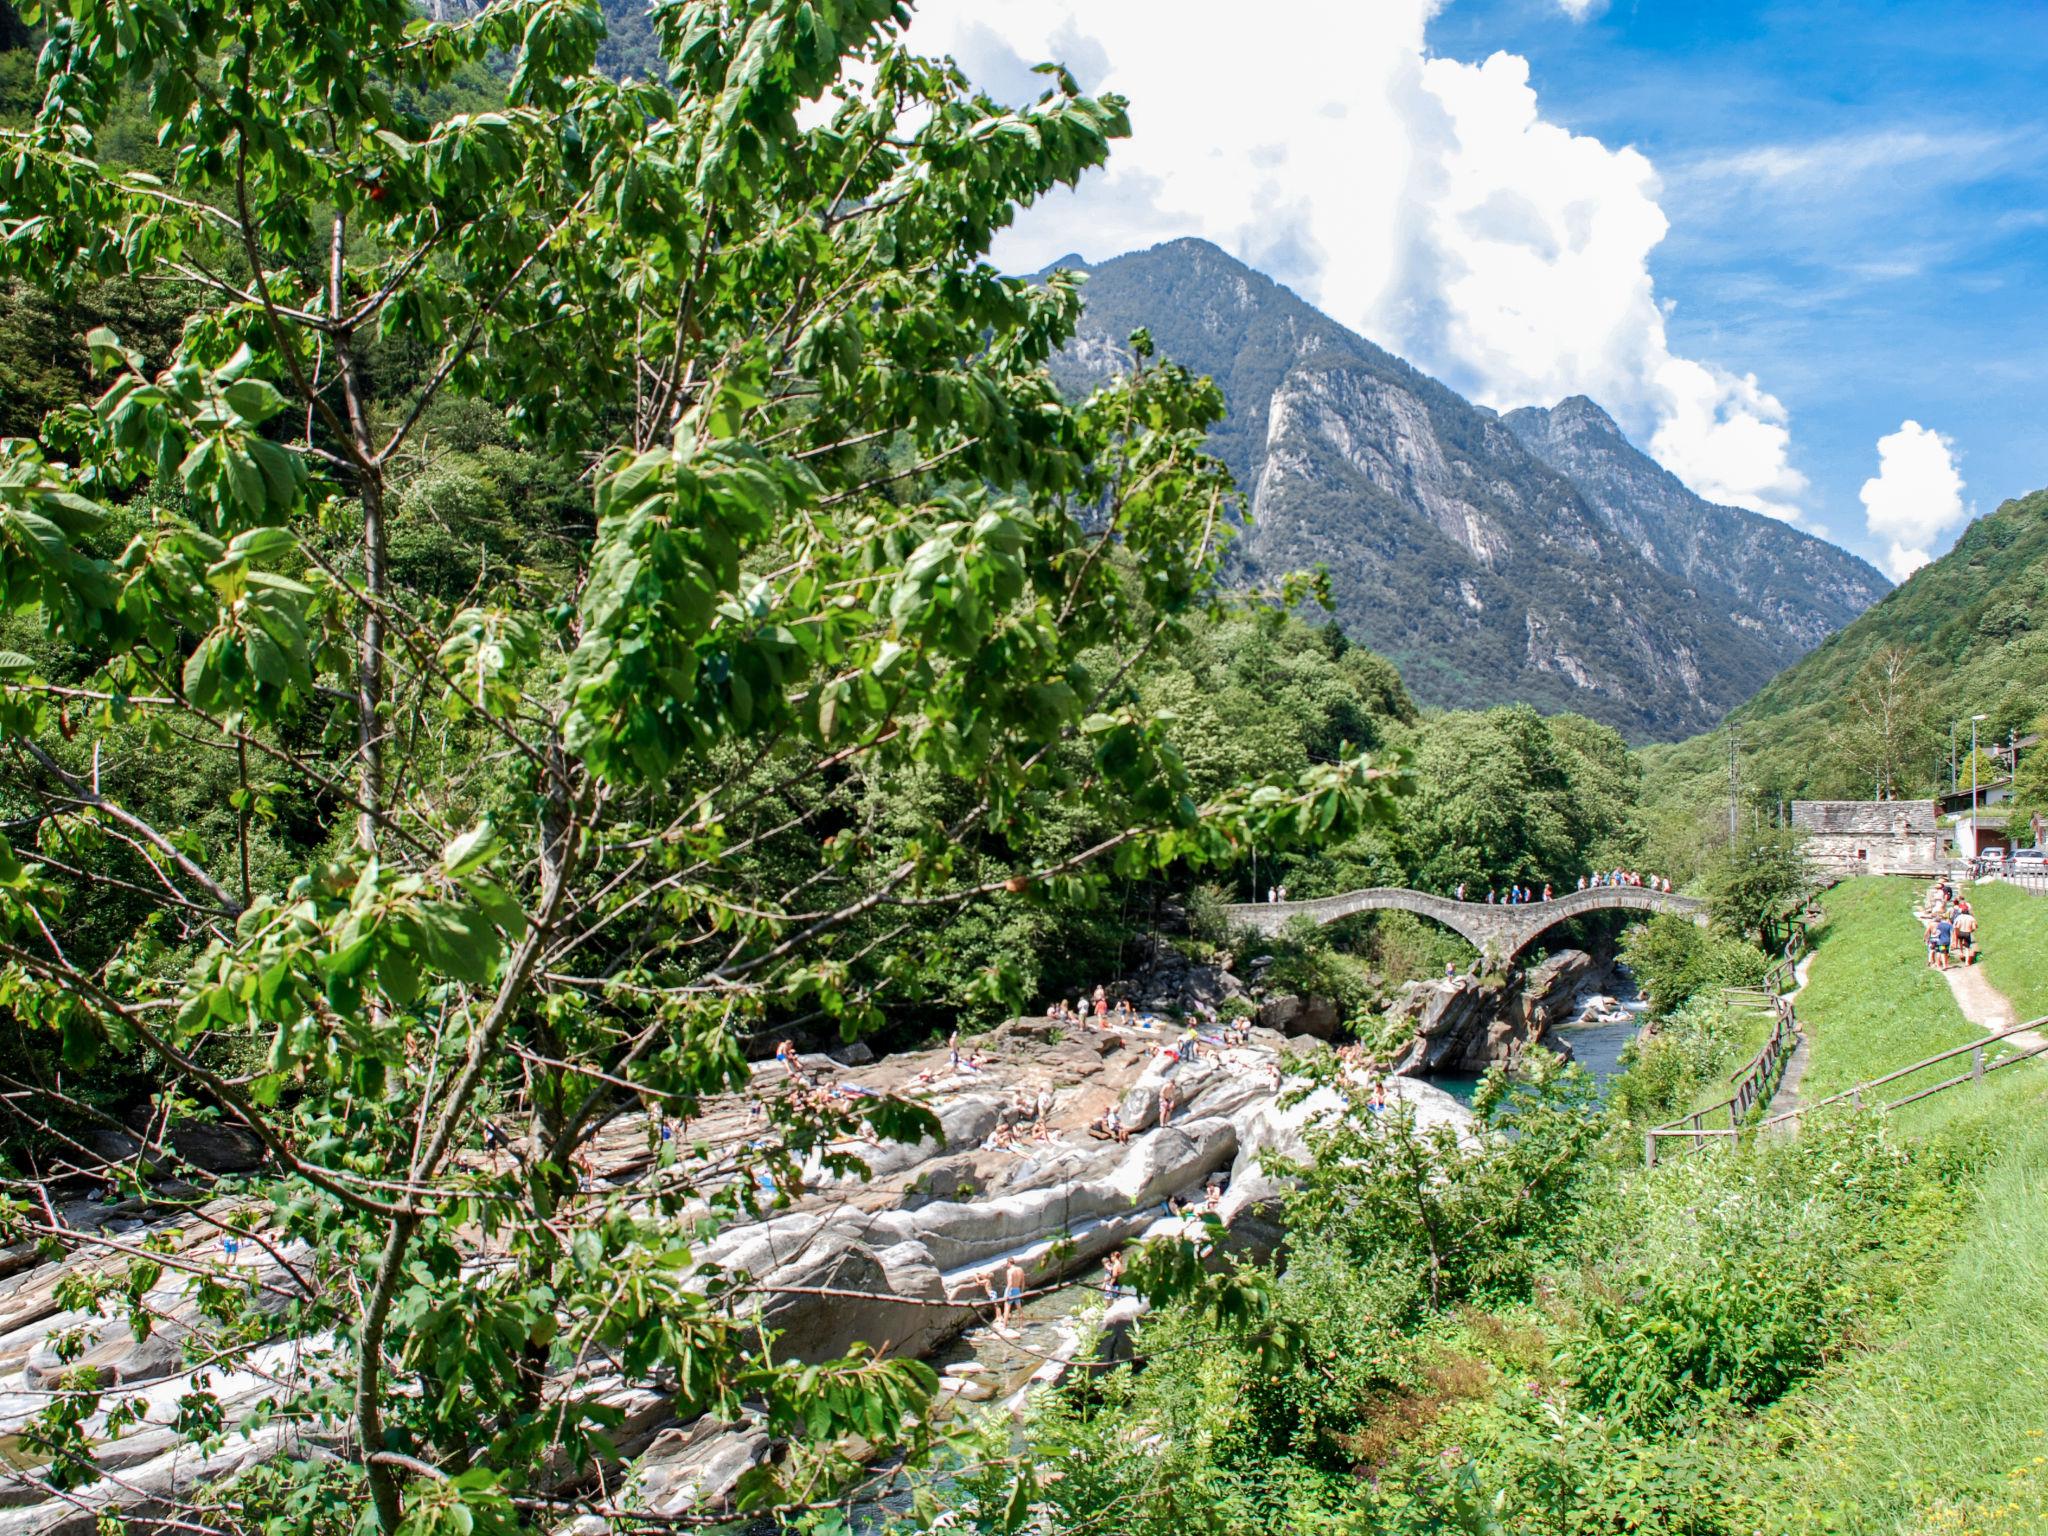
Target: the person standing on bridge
pixel 1461 890
pixel 1546 891
pixel 1272 894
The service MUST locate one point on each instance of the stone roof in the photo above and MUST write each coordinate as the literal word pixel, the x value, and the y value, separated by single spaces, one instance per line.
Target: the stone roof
pixel 1865 818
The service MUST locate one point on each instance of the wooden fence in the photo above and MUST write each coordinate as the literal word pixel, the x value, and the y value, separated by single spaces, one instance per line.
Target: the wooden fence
pixel 1753 1086
pixel 1863 1094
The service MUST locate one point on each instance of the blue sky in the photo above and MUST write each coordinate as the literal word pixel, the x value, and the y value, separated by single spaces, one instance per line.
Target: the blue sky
pixel 1858 200
pixel 1798 250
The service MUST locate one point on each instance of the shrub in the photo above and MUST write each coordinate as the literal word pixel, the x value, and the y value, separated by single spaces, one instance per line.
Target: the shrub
pixel 1664 1072
pixel 1674 960
pixel 1729 1278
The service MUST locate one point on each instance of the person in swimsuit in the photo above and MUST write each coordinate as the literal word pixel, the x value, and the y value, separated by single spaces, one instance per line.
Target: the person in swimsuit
pixel 1013 1292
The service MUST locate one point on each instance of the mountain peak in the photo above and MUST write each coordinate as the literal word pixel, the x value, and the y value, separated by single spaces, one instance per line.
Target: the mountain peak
pixel 1580 410
pixel 1572 415
pixel 1535 557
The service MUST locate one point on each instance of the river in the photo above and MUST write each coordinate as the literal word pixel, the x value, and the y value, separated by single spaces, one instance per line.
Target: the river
pixel 1608 1015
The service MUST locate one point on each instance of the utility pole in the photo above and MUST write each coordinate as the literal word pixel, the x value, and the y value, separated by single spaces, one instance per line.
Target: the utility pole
pixel 1974 776
pixel 1734 784
pixel 1952 757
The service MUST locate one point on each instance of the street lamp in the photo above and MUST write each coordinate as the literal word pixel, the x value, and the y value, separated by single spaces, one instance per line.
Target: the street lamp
pixel 1973 785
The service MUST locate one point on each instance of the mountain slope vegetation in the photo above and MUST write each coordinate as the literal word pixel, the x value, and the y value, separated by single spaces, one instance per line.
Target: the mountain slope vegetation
pixel 1871 708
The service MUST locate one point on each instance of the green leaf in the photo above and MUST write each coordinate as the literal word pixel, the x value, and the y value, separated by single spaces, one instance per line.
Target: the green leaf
pixel 471 851
pixel 253 400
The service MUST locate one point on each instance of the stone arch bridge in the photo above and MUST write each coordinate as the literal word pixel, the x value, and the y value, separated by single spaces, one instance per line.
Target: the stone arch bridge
pixel 1499 931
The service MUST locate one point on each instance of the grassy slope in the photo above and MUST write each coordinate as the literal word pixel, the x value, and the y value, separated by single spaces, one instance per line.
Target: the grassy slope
pixel 2014 935
pixel 1871 1003
pixel 1938 1429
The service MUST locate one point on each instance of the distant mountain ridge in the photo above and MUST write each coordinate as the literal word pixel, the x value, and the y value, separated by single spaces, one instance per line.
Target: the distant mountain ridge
pixel 1537 557
pixel 1775 574
pixel 1970 631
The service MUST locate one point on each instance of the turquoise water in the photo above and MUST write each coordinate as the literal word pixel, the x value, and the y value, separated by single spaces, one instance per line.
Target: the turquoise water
pixel 1596 1047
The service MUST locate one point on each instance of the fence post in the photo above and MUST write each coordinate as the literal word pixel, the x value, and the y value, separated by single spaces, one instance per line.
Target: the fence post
pixel 1977 1064
pixel 1649 1149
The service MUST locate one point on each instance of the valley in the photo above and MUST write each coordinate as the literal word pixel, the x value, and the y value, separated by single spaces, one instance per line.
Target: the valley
pixel 688 841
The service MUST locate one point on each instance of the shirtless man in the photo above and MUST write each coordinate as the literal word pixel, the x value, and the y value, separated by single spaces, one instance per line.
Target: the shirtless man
pixel 1013 1292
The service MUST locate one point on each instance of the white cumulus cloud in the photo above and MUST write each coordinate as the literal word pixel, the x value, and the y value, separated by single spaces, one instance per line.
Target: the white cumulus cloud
pixel 1915 496
pixel 1423 201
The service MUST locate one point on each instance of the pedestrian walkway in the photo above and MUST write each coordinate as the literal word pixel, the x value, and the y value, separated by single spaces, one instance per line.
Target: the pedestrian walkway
pixel 1786 1100
pixel 1985 1006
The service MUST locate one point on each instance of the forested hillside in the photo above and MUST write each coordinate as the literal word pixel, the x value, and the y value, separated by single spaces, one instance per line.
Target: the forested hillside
pixel 1870 710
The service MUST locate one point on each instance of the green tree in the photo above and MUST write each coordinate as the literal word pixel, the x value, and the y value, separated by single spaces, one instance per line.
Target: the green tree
pixel 2030 779
pixel 1508 795
pixel 830 649
pixel 1757 882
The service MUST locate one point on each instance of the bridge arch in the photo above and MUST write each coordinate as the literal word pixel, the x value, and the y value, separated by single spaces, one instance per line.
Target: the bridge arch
pixel 1498 931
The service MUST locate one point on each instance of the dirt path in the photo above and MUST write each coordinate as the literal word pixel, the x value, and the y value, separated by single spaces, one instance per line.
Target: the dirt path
pixel 1987 1007
pixel 1984 1005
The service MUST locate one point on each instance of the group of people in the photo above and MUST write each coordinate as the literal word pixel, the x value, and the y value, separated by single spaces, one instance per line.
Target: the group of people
pixel 1524 895
pixel 1025 1120
pixel 1358 1068
pixel 1623 877
pixel 1513 896
pixel 1097 1011
pixel 1951 928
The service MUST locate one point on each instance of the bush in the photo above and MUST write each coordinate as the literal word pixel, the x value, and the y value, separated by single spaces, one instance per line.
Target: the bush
pixel 1664 1072
pixel 1307 963
pixel 1729 1278
pixel 1532 1466
pixel 1673 960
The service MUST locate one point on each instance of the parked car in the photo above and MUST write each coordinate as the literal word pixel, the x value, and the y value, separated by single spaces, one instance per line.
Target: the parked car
pixel 2029 861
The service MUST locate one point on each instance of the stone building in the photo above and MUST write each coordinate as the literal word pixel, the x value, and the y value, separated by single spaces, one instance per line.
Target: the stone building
pixel 1870 837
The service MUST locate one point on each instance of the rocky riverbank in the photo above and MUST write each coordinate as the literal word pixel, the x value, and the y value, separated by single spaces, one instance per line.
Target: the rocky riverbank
pixel 913 1243
pixel 1466 1024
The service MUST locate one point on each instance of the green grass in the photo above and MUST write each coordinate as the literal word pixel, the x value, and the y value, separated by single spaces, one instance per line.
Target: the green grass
pixel 2013 935
pixel 1938 1426
pixel 1873 1005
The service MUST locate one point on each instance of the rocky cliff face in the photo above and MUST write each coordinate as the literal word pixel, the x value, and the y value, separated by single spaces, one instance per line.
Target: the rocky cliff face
pixel 1462 547
pixel 1467 1024
pixel 1774 579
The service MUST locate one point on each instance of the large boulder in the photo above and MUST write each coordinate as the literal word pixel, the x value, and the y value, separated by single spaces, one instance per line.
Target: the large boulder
pixel 1466 1024
pixel 1317 1017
